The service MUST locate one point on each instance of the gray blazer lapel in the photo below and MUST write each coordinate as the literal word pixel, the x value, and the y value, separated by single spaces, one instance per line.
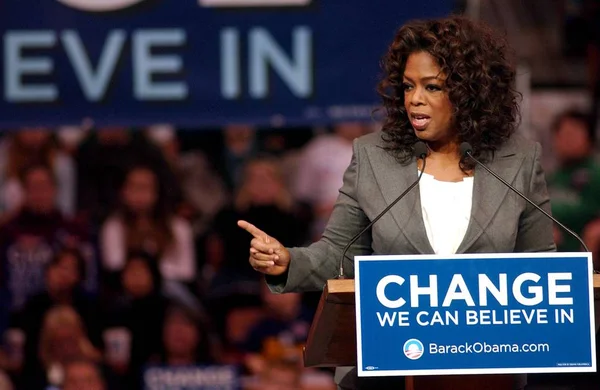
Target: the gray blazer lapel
pixel 489 193
pixel 393 179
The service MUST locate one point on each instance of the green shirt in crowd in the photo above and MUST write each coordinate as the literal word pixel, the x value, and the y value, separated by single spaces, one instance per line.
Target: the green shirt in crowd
pixel 575 198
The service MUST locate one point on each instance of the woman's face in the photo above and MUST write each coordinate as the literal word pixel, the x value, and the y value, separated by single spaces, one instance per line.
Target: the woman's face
pixel 181 336
pixel 64 275
pixel 82 375
pixel 65 342
pixel 40 191
pixel 140 192
pixel 571 140
pixel 262 183
pixel 137 278
pixel 426 100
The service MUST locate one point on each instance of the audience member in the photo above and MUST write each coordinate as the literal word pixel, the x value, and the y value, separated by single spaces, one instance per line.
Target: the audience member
pixel 262 197
pixel 285 319
pixel 64 276
pixel 83 375
pixel 34 146
pixel 5 382
pixel 63 338
pixel 30 239
pixel 574 186
pixel 321 168
pixel 103 160
pixel 591 27
pixel 139 309
pixel 186 339
pixel 239 145
pixel 143 222
pixel 204 192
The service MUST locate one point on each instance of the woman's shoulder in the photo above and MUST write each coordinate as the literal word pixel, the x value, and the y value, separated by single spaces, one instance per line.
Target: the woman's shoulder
pixel 519 144
pixel 373 139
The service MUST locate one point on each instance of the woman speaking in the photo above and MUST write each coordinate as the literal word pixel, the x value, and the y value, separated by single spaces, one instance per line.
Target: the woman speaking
pixel 447 81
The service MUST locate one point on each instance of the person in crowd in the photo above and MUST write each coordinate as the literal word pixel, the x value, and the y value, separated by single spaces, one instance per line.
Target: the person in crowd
pixel 5 382
pixel 26 147
pixel 64 276
pixel 138 309
pixel 204 192
pixel 285 319
pixel 103 160
pixel 591 38
pixel 321 168
pixel 446 81
pixel 144 222
pixel 63 338
pixel 591 238
pixel 31 238
pixel 279 374
pixel 239 144
pixel 575 185
pixel 186 339
pixel 262 196
pixel 83 374
pixel 279 367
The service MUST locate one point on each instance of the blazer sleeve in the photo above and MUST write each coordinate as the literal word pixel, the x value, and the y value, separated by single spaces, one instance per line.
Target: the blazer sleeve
pixel 535 229
pixel 311 266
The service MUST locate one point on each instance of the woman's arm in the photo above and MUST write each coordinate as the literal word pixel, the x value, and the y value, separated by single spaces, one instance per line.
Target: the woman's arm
pixel 310 267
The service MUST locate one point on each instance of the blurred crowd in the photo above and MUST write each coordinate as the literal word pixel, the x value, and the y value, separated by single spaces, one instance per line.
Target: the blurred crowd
pixel 119 251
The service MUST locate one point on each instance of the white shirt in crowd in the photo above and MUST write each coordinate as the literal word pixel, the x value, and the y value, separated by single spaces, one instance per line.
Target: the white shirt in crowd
pixel 177 264
pixel 321 169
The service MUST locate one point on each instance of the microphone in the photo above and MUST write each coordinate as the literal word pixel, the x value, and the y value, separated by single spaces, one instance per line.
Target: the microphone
pixel 466 150
pixel 420 152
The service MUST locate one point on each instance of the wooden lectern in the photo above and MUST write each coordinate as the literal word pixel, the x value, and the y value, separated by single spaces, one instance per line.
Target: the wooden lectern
pixel 331 342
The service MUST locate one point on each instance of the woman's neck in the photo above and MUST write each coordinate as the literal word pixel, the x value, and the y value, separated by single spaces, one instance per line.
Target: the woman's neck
pixel 448 149
pixel 443 163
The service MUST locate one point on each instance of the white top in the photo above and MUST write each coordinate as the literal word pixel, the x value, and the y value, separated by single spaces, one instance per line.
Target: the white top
pixel 178 263
pixel 446 208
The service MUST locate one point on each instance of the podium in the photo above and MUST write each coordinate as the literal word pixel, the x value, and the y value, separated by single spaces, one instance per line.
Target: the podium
pixel 331 342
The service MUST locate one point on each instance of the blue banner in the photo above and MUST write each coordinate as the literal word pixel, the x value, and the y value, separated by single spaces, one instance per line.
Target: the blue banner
pixel 475 314
pixel 191 378
pixel 196 62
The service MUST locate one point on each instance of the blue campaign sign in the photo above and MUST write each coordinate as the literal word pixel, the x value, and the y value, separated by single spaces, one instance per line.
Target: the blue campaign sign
pixel 475 314
pixel 196 62
pixel 191 378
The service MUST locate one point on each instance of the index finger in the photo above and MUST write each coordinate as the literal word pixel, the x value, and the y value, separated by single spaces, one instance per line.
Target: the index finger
pixel 256 232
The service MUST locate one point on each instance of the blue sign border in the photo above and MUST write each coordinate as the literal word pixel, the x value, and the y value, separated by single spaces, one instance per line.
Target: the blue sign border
pixel 362 372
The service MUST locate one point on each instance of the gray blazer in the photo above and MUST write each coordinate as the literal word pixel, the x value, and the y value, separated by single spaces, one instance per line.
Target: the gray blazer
pixel 501 221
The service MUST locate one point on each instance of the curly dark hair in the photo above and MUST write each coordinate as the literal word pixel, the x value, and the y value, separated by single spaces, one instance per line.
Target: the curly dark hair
pixel 479 80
